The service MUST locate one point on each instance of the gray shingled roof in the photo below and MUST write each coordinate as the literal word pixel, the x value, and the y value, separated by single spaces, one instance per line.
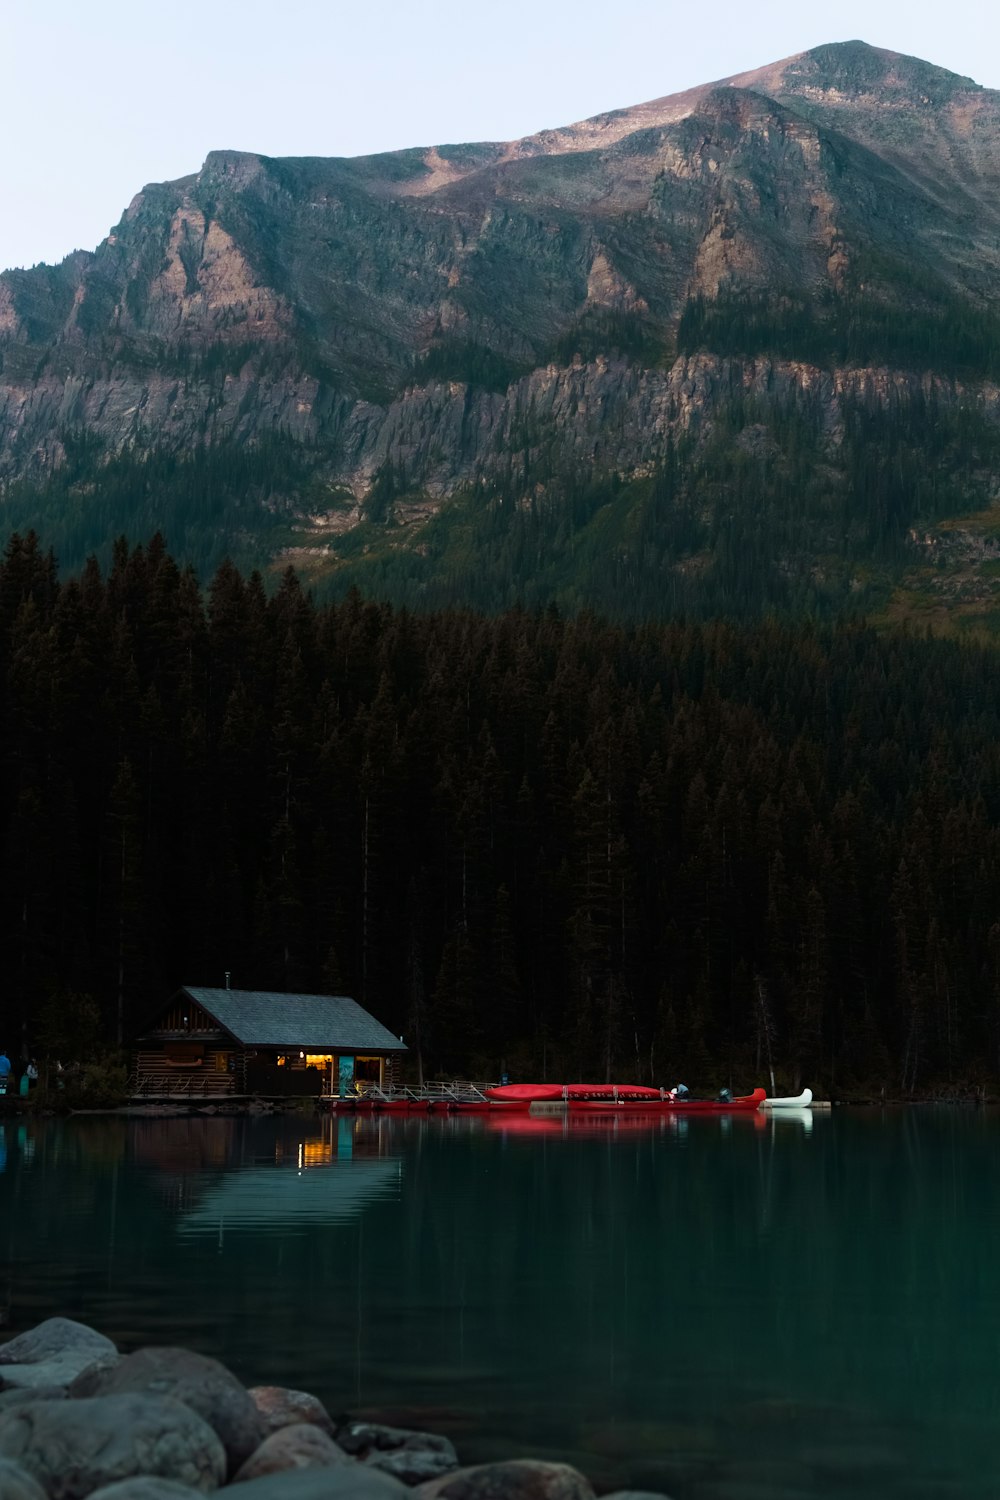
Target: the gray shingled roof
pixel 265 1018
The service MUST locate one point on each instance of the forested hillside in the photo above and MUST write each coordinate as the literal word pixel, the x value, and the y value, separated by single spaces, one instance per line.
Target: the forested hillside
pixel 549 845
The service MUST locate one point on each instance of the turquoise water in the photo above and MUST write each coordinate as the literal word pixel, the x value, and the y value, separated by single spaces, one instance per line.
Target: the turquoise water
pixel 723 1309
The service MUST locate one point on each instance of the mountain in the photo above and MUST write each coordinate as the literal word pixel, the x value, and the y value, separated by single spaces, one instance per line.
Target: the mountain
pixel 732 350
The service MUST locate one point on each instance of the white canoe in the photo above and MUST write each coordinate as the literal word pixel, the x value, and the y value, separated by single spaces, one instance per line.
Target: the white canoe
pixel 800 1101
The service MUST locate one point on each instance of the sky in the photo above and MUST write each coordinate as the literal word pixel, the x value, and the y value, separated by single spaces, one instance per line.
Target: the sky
pixel 99 98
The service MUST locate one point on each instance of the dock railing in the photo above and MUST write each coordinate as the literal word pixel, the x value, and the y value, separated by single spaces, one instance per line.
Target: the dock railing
pixel 165 1085
pixel 454 1091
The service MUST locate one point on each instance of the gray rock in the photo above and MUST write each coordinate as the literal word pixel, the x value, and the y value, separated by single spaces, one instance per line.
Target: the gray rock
pixel 398 1451
pixel 299 1447
pixel 74 1447
pixel 59 1372
pixel 54 1354
pixel 413 1457
pixel 366 1438
pixel 343 1482
pixel 54 1336
pixel 18 1395
pixel 412 1466
pixel 144 1488
pixel 203 1384
pixel 15 1484
pixel 517 1479
pixel 280 1407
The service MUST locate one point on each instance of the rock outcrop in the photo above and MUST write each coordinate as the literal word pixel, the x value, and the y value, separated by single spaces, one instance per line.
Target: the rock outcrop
pixel 158 1427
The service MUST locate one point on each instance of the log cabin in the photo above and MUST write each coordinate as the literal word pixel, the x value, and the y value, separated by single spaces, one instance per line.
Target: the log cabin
pixel 207 1043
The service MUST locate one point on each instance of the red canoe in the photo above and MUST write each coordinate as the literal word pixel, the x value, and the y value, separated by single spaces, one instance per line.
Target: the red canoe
pixel 635 1091
pixel 524 1093
pixel 552 1093
pixel 744 1103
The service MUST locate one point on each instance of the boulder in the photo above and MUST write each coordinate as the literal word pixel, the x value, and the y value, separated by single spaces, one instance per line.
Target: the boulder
pixel 300 1447
pixel 365 1438
pixel 412 1457
pixel 19 1394
pixel 203 1384
pixel 412 1465
pixel 54 1353
pixel 280 1407
pixel 340 1482
pixel 516 1479
pixel 15 1484
pixel 144 1488
pixel 74 1447
pixel 54 1336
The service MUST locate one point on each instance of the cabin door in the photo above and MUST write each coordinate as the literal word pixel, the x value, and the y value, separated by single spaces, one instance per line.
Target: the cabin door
pixel 346 1076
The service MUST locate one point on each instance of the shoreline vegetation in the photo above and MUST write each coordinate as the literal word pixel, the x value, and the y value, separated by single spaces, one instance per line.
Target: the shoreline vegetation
pixel 82 1421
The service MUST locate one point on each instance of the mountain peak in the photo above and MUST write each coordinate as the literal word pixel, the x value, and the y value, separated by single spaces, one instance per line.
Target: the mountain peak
pixel 237 168
pixel 857 69
pixel 831 74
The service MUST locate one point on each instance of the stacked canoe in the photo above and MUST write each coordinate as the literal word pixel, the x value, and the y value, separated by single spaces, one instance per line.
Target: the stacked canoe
pixel 610 1096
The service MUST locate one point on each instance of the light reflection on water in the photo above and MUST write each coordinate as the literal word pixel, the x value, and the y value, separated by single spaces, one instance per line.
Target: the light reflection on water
pixel 718 1308
pixel 324 1184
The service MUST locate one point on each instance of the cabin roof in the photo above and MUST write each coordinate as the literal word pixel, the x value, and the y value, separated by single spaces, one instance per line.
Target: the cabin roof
pixel 269 1018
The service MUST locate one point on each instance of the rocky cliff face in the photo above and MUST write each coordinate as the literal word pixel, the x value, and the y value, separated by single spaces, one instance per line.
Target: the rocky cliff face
pixel 462 314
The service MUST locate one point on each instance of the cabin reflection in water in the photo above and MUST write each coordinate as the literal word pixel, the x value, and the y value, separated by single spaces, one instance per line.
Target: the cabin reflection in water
pixel 229 1174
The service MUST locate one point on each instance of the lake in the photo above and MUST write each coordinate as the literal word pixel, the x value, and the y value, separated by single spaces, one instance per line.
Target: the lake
pixel 718 1308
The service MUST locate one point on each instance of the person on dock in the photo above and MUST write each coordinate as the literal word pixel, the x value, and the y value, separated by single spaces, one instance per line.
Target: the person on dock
pixel 4 1071
pixel 678 1093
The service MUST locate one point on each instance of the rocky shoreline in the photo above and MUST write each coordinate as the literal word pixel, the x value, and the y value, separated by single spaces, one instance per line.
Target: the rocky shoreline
pixel 81 1421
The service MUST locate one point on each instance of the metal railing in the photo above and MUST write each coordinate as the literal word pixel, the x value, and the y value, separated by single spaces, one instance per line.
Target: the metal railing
pixel 455 1091
pixel 169 1086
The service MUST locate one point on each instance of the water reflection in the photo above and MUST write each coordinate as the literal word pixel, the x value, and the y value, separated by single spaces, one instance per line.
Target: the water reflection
pixel 18 1142
pixel 785 1118
pixel 705 1307
pixel 327 1178
pixel 271 1176
pixel 627 1122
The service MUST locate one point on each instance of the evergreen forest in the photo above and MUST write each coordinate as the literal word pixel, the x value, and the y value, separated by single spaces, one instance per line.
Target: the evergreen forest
pixel 753 512
pixel 548 845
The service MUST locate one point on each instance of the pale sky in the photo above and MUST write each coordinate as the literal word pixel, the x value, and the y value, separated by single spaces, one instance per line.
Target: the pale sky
pixel 99 97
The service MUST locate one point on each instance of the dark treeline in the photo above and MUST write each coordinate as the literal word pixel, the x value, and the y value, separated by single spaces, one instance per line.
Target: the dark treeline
pixel 557 846
pixel 945 333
